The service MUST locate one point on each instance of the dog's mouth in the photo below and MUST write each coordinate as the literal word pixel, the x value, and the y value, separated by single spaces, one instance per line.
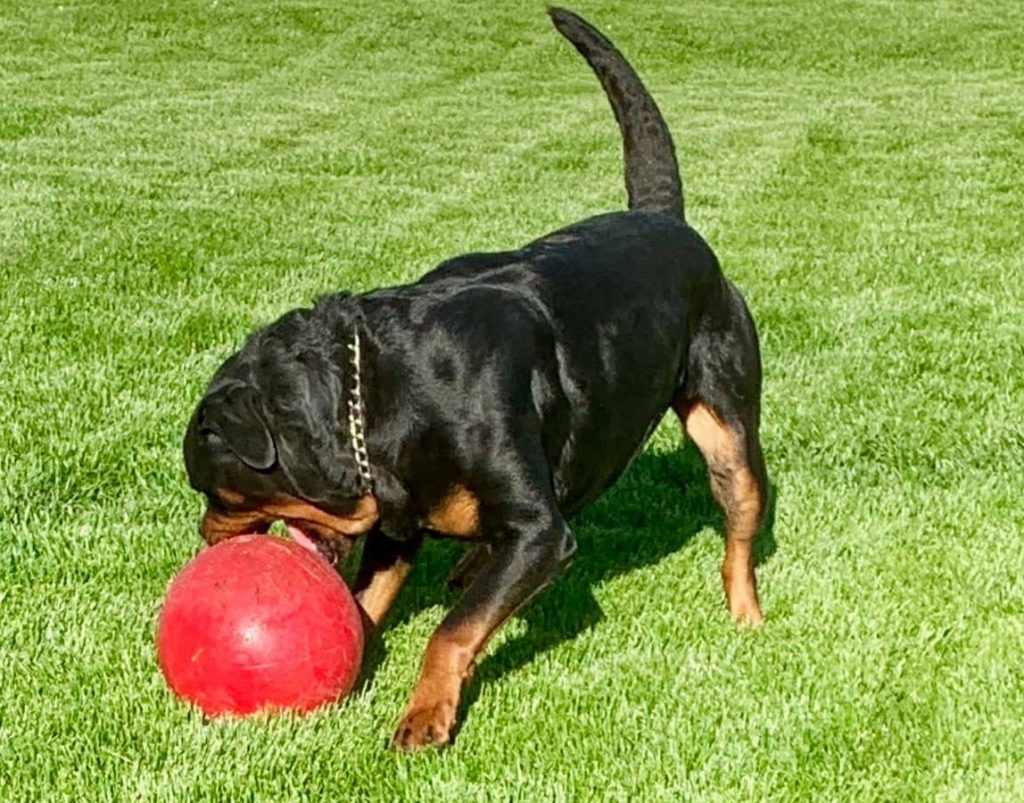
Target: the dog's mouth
pixel 331 535
pixel 333 549
pixel 333 546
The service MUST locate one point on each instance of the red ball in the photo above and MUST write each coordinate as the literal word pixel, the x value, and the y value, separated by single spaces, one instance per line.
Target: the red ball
pixel 259 622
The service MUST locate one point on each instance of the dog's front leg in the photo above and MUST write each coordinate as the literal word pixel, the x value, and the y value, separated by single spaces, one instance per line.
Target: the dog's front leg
pixel 522 560
pixel 384 566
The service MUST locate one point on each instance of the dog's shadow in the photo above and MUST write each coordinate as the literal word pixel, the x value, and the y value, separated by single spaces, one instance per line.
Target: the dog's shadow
pixel 661 502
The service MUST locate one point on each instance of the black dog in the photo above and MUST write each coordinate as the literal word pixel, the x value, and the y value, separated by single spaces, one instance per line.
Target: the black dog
pixel 491 400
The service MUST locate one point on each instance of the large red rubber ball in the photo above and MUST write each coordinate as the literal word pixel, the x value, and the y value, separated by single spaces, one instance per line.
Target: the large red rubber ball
pixel 259 622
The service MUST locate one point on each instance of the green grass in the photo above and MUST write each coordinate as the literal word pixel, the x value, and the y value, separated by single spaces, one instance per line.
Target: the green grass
pixel 175 174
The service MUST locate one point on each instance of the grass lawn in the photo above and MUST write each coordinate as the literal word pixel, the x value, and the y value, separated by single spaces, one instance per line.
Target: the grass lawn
pixel 173 174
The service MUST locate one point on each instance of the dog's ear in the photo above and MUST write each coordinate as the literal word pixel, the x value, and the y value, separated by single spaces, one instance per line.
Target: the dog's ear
pixel 233 414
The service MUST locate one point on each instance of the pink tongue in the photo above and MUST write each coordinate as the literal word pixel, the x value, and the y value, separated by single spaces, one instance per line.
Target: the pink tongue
pixel 302 539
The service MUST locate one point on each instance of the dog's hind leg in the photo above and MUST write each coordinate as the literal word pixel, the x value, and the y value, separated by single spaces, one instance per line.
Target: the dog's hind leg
pixel 720 410
pixel 737 473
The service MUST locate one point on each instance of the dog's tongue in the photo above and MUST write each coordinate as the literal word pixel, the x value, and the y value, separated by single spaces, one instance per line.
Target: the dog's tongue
pixel 302 539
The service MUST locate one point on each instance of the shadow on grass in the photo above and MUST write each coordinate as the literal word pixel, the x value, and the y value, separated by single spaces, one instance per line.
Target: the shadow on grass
pixel 652 512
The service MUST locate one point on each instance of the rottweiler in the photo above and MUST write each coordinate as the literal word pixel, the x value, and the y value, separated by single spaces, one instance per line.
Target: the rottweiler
pixel 491 400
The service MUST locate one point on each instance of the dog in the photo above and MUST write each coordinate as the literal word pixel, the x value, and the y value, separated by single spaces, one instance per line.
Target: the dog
pixel 493 399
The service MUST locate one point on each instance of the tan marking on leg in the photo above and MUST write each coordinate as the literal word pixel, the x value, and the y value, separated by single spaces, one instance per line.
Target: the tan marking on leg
pixel 447 664
pixel 743 520
pixel 457 514
pixel 707 431
pixel 742 499
pixel 378 597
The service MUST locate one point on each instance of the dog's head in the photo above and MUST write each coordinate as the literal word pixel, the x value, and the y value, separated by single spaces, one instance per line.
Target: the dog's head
pixel 269 440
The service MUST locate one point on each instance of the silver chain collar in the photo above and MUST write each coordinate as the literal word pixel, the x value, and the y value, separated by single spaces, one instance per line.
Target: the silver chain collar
pixel 357 419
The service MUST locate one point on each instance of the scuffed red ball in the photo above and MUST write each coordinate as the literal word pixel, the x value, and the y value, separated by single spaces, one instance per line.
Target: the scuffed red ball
pixel 259 622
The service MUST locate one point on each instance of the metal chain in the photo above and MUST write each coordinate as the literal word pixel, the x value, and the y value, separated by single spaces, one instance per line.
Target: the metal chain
pixel 356 418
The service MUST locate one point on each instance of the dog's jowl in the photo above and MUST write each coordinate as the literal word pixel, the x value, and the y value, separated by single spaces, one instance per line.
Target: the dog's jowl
pixel 491 400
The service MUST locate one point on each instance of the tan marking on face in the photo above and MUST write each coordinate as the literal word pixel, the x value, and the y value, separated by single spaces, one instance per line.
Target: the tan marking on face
pixel 359 521
pixel 230 497
pixel 219 524
pixel 457 514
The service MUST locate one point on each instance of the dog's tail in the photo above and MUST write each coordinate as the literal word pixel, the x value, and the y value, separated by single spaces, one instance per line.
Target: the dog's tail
pixel 652 174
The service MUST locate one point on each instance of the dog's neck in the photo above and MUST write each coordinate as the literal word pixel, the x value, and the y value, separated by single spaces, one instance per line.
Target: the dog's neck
pixel 357 415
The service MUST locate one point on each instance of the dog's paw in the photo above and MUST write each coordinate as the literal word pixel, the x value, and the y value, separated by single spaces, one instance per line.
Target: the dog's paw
pixel 745 610
pixel 425 726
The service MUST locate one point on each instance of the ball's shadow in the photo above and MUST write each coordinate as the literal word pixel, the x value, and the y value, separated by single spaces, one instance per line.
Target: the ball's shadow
pixel 661 502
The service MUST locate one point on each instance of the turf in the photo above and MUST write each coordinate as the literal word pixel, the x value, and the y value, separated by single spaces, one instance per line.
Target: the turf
pixel 174 174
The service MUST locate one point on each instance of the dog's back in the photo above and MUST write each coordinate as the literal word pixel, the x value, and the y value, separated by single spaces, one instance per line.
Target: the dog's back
pixel 616 294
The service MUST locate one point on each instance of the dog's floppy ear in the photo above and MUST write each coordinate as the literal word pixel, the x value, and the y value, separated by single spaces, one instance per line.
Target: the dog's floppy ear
pixel 233 414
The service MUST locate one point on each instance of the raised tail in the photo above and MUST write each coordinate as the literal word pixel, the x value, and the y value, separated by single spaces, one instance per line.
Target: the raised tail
pixel 652 174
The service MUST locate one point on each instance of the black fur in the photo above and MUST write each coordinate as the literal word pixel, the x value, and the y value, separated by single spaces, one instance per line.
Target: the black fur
pixel 652 177
pixel 269 424
pixel 530 377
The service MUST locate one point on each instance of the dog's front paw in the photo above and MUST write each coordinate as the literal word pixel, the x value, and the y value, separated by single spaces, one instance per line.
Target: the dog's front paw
pixel 425 725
